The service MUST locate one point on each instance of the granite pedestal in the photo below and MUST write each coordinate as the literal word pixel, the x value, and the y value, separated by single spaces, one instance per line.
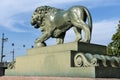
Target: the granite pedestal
pixel 58 60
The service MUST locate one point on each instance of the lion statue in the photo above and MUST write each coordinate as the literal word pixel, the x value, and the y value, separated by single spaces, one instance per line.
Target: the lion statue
pixel 54 22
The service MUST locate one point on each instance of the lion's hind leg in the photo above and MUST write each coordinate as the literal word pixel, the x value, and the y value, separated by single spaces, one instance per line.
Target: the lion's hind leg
pixel 78 21
pixel 85 29
pixel 78 33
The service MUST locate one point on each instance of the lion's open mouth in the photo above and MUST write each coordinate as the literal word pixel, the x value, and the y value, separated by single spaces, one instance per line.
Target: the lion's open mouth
pixel 36 26
pixel 33 23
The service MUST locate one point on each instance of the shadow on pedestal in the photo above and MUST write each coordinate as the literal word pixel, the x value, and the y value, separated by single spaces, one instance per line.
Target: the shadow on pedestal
pixel 107 72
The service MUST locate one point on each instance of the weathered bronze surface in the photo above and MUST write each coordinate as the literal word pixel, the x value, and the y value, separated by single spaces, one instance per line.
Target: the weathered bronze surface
pixel 55 22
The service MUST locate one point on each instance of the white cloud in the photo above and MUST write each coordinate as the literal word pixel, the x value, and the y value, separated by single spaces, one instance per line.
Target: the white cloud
pixel 103 31
pixel 9 24
pixel 10 8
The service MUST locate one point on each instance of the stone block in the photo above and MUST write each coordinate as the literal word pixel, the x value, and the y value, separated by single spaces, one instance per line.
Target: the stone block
pixel 73 46
pixel 58 61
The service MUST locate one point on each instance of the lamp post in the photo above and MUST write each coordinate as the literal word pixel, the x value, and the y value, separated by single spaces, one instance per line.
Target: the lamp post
pixel 2 47
pixel 13 52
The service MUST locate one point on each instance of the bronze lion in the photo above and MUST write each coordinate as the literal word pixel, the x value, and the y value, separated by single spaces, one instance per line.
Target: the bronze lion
pixel 54 23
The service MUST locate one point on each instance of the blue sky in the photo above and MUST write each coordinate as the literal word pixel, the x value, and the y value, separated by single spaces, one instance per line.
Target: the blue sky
pixel 15 19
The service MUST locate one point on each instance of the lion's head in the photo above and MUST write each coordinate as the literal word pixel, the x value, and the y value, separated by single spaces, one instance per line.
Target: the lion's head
pixel 39 15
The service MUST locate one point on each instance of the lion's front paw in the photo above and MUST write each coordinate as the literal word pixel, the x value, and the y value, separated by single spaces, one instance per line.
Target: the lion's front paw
pixel 40 44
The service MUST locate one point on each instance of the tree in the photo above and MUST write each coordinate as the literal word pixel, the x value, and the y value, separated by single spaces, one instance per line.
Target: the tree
pixel 114 47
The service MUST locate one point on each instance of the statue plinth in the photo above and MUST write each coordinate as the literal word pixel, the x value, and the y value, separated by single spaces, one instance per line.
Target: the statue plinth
pixel 73 46
pixel 70 59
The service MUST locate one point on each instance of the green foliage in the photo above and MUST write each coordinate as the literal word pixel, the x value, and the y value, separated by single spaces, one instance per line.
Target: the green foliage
pixel 114 47
pixel 116 37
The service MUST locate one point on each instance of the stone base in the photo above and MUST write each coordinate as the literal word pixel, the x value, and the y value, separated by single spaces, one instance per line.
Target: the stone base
pixel 52 64
pixel 58 61
pixel 91 72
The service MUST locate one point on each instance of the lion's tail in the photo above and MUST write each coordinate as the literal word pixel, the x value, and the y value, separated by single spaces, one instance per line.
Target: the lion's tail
pixel 89 20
